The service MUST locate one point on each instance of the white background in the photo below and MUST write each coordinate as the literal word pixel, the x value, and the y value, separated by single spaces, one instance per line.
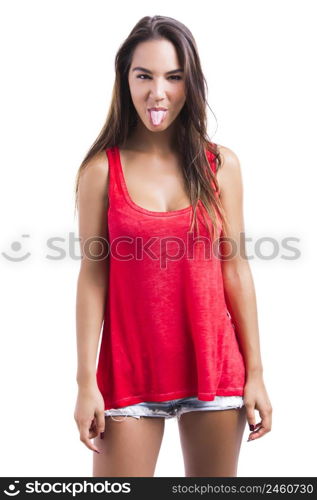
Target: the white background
pixel 57 65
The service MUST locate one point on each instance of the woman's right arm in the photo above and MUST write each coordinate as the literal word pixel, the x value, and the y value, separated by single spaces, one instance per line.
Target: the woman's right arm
pixel 91 294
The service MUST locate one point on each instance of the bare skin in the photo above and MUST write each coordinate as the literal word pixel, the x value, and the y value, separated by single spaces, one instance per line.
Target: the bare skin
pixel 154 183
pixel 130 447
pixel 210 442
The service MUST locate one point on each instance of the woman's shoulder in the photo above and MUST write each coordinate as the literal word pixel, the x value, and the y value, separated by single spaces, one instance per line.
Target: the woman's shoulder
pixel 229 171
pixel 229 158
pixel 98 162
pixel 226 157
pixel 94 175
pixel 97 167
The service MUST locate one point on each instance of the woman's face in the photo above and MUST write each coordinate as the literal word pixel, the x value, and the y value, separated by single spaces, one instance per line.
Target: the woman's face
pixel 159 86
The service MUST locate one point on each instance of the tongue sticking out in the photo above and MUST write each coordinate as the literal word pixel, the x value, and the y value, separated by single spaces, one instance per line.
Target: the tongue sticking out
pixel 157 116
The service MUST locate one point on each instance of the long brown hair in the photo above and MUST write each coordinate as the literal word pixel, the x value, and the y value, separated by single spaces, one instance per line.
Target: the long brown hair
pixel 191 136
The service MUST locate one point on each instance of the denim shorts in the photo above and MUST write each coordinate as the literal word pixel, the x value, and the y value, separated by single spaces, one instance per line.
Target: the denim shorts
pixel 175 407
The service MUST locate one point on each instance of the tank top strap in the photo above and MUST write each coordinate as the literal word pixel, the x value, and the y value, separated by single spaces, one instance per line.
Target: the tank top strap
pixel 115 189
pixel 211 157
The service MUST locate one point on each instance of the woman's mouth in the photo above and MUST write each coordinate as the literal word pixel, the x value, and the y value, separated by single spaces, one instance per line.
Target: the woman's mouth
pixel 157 117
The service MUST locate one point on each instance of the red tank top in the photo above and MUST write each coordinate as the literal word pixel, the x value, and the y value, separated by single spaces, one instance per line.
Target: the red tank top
pixel 167 332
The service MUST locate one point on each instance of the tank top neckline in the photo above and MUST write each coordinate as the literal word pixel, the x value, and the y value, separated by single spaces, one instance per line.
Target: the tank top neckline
pixel 134 205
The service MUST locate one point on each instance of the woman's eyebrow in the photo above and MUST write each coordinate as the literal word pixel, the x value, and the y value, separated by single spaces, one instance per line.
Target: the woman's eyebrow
pixel 139 68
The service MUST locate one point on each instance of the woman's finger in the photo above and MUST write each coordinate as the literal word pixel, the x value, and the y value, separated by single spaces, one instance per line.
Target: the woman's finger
pixel 85 438
pixel 250 414
pixel 264 427
pixel 100 422
pixel 257 434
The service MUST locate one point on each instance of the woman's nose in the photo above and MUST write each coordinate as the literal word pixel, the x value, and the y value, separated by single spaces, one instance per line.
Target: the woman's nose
pixel 158 90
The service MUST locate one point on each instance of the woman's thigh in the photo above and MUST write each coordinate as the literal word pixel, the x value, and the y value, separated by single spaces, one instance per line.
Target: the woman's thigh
pixel 211 441
pixel 130 447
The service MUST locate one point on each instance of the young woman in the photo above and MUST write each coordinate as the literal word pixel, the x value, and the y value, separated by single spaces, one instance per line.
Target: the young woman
pixel 163 267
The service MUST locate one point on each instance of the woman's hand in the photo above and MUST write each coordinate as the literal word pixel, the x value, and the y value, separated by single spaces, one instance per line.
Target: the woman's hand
pixel 89 414
pixel 256 398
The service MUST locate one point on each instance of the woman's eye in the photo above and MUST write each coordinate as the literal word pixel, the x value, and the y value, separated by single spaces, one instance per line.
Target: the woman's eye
pixel 173 76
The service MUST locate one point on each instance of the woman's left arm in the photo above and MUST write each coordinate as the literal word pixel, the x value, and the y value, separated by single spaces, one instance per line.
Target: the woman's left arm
pixel 240 292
